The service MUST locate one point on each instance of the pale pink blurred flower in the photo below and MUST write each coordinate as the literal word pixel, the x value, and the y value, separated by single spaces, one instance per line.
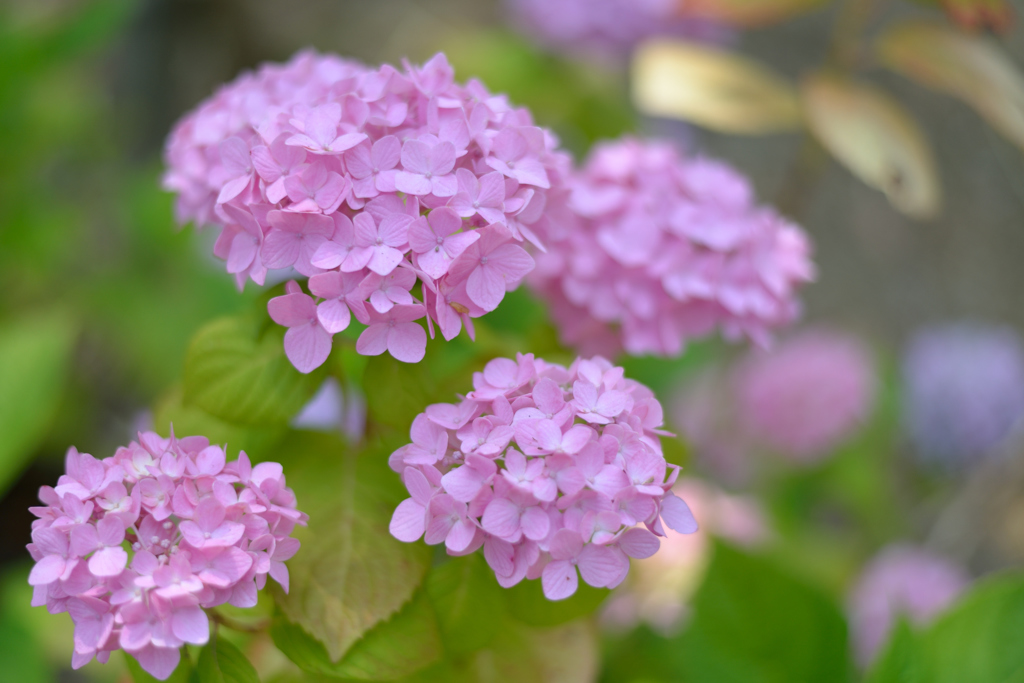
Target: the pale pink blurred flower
pixel 664 249
pixel 188 552
pixel 511 469
pixel 329 167
pixel 904 581
pixel 807 395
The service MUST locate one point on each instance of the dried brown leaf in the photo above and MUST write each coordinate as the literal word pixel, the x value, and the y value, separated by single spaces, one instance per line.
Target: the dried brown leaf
pixel 876 139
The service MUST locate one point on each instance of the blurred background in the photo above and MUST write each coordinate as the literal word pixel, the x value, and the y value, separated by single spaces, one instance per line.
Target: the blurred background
pixel 908 362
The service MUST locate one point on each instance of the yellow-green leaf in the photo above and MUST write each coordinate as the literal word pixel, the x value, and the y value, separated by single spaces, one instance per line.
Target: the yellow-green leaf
pixel 749 13
pixel 970 67
pixel 876 139
pixel 350 574
pixel 712 88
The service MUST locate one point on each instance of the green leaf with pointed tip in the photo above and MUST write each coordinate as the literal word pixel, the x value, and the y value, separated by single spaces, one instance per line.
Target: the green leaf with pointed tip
pixel 350 573
pixel 900 661
pixel 35 354
pixel 222 662
pixel 979 640
pixel 468 602
pixel 239 373
pixel 407 642
pixel 755 622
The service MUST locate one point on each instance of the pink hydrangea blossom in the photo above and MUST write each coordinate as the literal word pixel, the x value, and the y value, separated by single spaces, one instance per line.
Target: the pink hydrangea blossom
pixel 807 395
pixel 798 402
pixel 136 545
pixel 368 181
pixel 901 581
pixel 666 248
pixel 548 469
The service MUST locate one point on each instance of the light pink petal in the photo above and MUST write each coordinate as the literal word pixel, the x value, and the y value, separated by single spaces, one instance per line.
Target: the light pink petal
pixel 416 157
pixel 47 570
pixel 158 662
pixel 292 310
pixel 460 536
pixel 384 259
pixel 374 340
pixel 677 515
pixel 536 524
pixel 418 485
pixel 437 529
pixel 387 152
pixel 307 346
pixel 443 186
pixel 333 315
pixel 394 230
pixel 462 483
pixel 407 342
pixel 412 183
pixel 279 572
pixel 409 521
pixel 233 188
pixel 486 287
pixel 459 242
pixel 108 561
pixel 499 555
pixel 513 261
pixel 559 580
pixel 281 249
pixel 110 530
pixel 600 565
pixel 501 518
pixel 612 403
pixel 565 544
pixel 576 438
pixel 191 625
pixel 639 543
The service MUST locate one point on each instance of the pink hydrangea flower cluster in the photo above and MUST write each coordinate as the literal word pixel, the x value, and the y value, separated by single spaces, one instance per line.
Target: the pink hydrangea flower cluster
pixel 902 580
pixel 135 546
pixel 807 395
pixel 366 181
pixel 668 248
pixel 548 469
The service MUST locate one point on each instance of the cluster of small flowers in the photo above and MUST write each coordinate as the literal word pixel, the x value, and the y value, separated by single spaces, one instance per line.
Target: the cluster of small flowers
pixel 964 391
pixel 609 27
pixel 807 395
pixel 548 469
pixel 365 180
pixel 202 532
pixel 666 249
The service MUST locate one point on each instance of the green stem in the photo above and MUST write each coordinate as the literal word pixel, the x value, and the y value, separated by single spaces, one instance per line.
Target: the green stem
pixel 219 619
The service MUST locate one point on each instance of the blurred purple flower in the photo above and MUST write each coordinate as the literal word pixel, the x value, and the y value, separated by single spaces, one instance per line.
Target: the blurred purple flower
pixel 608 27
pixel 899 581
pixel 963 390
pixel 334 409
pixel 807 395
